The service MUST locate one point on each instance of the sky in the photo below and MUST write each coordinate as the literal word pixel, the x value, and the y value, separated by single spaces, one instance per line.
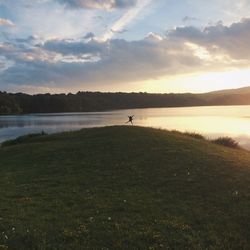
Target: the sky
pixel 155 46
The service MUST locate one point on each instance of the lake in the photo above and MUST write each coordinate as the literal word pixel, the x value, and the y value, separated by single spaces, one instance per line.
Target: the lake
pixel 213 122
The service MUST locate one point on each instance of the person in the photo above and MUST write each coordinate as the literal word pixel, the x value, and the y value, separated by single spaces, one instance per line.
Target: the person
pixel 130 119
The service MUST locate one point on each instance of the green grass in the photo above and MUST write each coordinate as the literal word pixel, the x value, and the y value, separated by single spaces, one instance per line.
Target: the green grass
pixel 123 188
pixel 22 139
pixel 190 134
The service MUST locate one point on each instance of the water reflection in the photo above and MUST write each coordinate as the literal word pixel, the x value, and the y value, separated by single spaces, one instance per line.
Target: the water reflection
pixel 212 122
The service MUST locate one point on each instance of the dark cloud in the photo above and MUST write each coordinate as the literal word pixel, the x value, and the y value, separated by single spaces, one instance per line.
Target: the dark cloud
pixel 89 35
pixel 234 40
pixel 99 4
pixel 121 61
pixel 28 40
pixel 190 19
pixel 69 63
pixel 65 47
pixel 2 65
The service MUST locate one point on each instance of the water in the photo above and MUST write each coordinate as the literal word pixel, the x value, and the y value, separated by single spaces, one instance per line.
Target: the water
pixel 213 122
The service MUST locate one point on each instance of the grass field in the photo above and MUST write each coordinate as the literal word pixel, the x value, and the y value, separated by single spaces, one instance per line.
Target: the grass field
pixel 123 188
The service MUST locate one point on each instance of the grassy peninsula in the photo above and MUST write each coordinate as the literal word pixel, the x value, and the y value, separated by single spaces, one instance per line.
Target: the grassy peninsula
pixel 123 188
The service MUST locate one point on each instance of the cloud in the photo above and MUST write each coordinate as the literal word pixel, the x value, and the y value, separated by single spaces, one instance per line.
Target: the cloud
pixel 85 64
pixel 65 47
pixel 189 19
pixel 99 4
pixel 89 35
pixel 233 40
pixel 153 37
pixel 127 18
pixel 120 61
pixel 6 22
pixel 119 31
pixel 28 40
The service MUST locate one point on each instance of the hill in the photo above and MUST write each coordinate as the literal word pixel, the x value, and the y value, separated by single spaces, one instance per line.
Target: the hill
pixel 123 188
pixel 239 96
pixel 244 90
pixel 96 101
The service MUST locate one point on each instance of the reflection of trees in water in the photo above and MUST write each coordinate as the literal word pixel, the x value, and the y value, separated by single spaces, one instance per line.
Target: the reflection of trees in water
pixel 182 119
pixel 14 126
pixel 50 120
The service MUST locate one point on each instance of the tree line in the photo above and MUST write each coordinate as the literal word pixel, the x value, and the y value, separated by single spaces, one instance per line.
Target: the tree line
pixel 21 103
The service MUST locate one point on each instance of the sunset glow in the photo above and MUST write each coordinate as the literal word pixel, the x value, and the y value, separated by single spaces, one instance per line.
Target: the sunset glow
pixel 134 45
pixel 200 82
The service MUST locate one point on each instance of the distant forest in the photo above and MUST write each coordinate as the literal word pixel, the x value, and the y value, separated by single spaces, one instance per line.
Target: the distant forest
pixel 96 101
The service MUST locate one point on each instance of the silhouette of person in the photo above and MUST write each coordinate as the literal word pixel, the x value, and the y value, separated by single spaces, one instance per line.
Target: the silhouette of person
pixel 130 119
